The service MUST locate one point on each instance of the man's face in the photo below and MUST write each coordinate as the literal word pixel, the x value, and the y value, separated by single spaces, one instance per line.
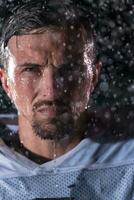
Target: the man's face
pixel 49 80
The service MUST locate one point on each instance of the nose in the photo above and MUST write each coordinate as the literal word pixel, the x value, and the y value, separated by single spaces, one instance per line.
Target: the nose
pixel 47 84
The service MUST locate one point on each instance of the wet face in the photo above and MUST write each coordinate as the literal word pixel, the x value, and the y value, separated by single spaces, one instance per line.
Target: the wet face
pixel 50 80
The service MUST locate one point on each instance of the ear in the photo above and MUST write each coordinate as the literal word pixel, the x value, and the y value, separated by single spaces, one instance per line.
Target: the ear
pixel 5 81
pixel 96 74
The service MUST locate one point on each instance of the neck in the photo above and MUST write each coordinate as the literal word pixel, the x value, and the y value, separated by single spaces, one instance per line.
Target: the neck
pixel 47 149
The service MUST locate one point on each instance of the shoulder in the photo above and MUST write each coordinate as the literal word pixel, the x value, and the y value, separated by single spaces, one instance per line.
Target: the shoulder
pixel 113 153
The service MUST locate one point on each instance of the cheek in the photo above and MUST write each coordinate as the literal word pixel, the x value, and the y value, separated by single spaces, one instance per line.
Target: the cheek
pixel 22 93
pixel 81 94
pixel 82 87
pixel 24 87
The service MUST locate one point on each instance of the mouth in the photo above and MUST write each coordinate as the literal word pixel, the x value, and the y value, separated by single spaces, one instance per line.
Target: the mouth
pixel 47 110
pixel 51 111
pixel 51 108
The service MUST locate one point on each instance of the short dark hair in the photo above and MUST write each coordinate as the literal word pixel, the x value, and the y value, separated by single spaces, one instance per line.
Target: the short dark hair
pixel 46 13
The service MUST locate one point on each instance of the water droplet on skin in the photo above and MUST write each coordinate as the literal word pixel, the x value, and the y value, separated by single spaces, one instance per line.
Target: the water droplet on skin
pixel 64 44
pixel 86 107
pixel 54 156
pixel 79 80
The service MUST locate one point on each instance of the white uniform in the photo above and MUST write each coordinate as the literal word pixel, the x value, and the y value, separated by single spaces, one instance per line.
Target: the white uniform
pixel 90 171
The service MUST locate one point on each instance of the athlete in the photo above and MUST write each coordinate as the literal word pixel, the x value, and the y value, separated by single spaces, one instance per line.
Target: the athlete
pixel 48 54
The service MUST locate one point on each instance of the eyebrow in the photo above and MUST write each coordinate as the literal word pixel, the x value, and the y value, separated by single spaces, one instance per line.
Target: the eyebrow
pixel 29 65
pixel 35 65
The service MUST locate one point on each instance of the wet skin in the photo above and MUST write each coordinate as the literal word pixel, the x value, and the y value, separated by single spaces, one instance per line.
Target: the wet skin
pixel 44 78
pixel 49 81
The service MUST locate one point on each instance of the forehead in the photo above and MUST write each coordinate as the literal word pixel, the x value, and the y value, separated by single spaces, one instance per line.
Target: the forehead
pixel 57 44
pixel 48 40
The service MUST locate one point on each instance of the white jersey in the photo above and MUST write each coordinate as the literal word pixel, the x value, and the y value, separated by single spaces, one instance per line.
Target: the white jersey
pixel 90 171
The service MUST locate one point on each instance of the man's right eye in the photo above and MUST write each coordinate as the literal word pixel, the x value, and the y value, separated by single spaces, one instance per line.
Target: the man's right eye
pixel 31 68
pixel 34 70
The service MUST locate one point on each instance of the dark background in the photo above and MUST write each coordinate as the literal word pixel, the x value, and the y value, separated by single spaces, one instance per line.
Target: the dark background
pixel 113 100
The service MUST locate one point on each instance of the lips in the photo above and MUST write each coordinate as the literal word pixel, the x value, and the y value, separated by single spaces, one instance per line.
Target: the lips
pixel 47 107
pixel 52 110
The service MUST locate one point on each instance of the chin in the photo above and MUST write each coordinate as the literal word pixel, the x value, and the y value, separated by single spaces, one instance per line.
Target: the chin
pixel 53 130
